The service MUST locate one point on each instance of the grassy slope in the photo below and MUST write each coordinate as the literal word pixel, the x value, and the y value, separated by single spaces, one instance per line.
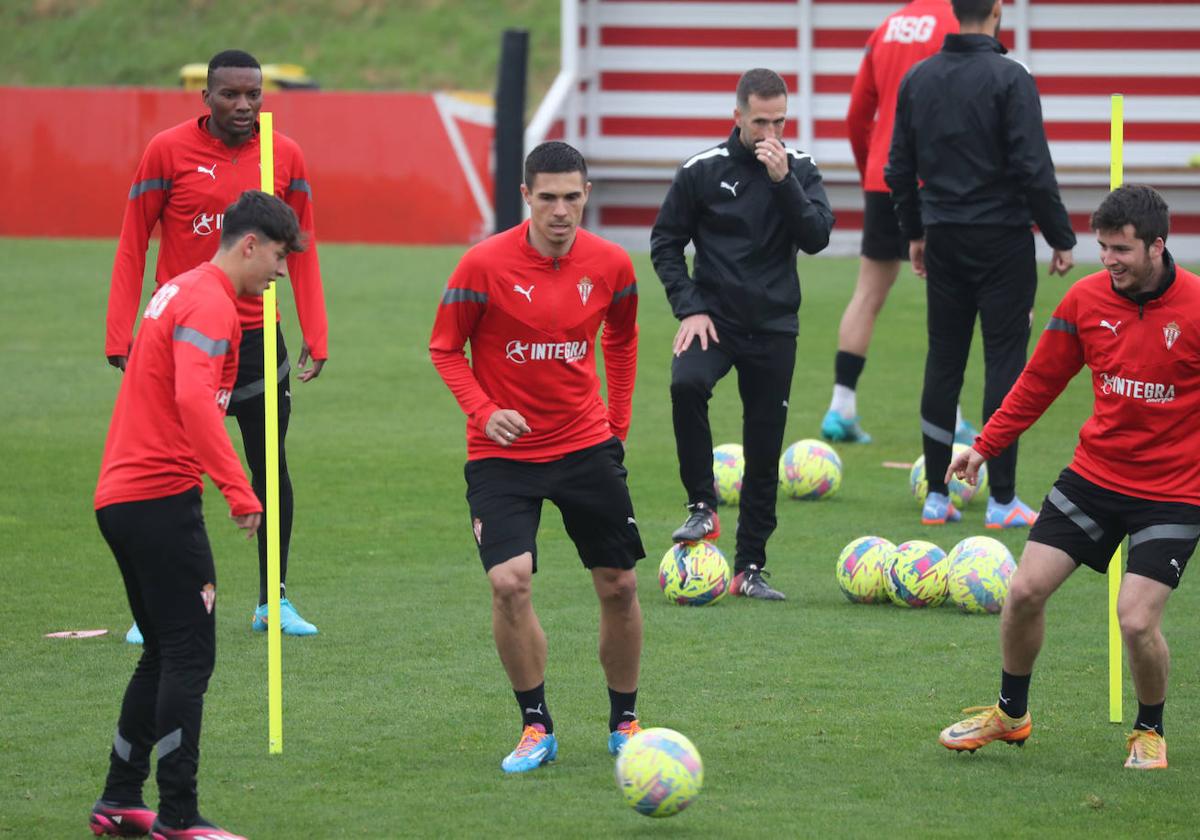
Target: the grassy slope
pixel 814 717
pixel 344 44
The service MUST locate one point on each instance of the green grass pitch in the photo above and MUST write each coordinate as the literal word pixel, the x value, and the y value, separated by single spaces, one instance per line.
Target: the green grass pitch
pixel 815 717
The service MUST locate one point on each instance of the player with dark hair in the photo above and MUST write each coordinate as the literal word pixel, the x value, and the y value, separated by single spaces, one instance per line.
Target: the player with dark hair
pixel 530 301
pixel 167 431
pixel 905 37
pixel 970 170
pixel 188 174
pixel 1134 472
pixel 748 206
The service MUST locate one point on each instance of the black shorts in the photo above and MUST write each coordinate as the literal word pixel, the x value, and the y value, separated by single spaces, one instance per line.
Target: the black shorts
pixel 881 236
pixel 1088 522
pixel 248 390
pixel 589 489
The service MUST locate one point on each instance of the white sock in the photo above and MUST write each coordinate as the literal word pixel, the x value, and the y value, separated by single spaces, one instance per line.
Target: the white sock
pixel 958 419
pixel 845 402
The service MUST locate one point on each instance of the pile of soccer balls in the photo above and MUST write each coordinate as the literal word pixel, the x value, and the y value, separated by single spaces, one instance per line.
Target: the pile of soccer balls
pixel 974 576
pixel 808 469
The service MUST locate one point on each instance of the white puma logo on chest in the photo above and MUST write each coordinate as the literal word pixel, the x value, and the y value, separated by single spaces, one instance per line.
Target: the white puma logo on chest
pixel 527 292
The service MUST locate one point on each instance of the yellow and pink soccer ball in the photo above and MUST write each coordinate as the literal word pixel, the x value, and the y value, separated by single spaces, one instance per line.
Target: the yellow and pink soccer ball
pixel 961 493
pixel 918 575
pixel 861 568
pixel 694 574
pixel 980 571
pixel 659 772
pixel 810 469
pixel 729 465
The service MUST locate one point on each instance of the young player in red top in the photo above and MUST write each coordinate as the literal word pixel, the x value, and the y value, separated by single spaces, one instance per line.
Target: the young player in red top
pixel 905 37
pixel 187 176
pixel 1135 325
pixel 530 301
pixel 167 430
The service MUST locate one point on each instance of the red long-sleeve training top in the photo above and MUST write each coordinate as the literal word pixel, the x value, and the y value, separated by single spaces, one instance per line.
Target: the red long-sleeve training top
pixel 531 322
pixel 1145 365
pixel 185 181
pixel 168 426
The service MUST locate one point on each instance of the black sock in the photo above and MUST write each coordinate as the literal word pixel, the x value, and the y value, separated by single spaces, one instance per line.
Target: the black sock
pixel 1150 717
pixel 1003 495
pixel 1014 694
pixel 847 367
pixel 533 707
pixel 622 708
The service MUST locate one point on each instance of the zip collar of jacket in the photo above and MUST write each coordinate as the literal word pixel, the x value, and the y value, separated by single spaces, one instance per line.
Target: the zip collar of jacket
pixel 537 257
pixel 1145 297
pixel 217 144
pixel 972 43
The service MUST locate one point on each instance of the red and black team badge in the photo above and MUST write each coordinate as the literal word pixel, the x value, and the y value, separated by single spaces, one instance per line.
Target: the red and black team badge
pixel 585 289
pixel 1171 334
pixel 477 527
pixel 208 595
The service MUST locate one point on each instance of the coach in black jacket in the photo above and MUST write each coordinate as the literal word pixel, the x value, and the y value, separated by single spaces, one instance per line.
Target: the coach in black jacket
pixel 748 206
pixel 969 126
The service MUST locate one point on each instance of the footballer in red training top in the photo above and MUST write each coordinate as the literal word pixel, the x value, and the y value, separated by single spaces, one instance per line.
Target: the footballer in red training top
pixel 530 302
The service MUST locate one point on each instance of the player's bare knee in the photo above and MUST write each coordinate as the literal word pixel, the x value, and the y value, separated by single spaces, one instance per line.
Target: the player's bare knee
pixel 1026 596
pixel 511 587
pixel 617 588
pixel 1137 624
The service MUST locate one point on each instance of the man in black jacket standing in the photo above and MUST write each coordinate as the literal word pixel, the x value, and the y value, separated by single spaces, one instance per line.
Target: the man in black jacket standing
pixel 748 206
pixel 969 126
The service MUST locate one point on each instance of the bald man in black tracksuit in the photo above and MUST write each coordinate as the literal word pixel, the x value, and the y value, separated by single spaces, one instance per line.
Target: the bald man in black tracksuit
pixel 969 128
pixel 749 206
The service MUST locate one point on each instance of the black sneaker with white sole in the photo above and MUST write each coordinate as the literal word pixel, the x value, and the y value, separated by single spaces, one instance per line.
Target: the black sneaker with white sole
pixel 702 524
pixel 751 583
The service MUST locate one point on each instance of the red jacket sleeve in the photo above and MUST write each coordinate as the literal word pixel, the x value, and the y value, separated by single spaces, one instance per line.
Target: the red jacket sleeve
pixel 463 304
pixel 147 196
pixel 203 338
pixel 860 118
pixel 1058 357
pixel 619 342
pixel 304 268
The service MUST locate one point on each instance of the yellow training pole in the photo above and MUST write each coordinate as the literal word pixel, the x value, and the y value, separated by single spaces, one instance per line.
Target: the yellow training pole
pixel 1115 177
pixel 266 123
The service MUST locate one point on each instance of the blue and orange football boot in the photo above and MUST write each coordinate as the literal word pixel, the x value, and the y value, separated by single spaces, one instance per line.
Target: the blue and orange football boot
pixel 840 430
pixel 290 621
pixel 619 737
pixel 536 747
pixel 938 510
pixel 1015 514
pixel 987 724
pixel 111 819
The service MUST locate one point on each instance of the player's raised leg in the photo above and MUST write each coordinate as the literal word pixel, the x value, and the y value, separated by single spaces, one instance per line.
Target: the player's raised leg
pixel 521 643
pixel 620 650
pixel 1139 610
pixel 1040 573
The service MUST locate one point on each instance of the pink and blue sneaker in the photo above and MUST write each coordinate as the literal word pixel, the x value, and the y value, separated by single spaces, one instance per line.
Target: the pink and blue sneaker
pixel 619 737
pixel 1015 514
pixel 938 510
pixel 536 747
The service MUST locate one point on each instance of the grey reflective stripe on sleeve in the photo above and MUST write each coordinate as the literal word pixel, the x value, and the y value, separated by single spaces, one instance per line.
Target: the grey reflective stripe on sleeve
pixel 168 743
pixel 256 388
pixel 1164 532
pixel 209 346
pixel 1059 325
pixel 936 433
pixel 300 185
pixel 121 747
pixel 631 289
pixel 148 185
pixel 1070 510
pixel 464 296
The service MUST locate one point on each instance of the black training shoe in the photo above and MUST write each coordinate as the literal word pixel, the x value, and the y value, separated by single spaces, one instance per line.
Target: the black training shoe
pixel 751 584
pixel 702 524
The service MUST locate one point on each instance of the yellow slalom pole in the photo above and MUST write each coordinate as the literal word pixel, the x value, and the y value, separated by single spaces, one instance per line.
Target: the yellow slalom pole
pixel 266 123
pixel 1116 169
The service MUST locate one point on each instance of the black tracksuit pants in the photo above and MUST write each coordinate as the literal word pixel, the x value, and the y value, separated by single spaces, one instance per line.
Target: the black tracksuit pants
pixel 248 405
pixel 989 270
pixel 163 553
pixel 764 364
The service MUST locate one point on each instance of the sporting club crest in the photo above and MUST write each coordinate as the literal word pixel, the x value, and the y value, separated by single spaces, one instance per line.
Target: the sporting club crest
pixel 585 289
pixel 1171 334
pixel 208 594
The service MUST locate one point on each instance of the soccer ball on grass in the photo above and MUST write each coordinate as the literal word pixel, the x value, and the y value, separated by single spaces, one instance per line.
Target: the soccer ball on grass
pixel 659 772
